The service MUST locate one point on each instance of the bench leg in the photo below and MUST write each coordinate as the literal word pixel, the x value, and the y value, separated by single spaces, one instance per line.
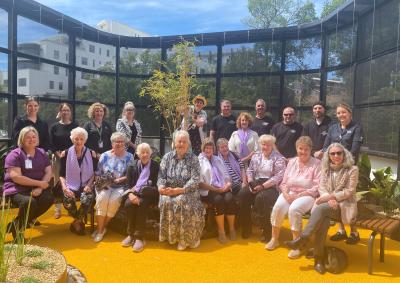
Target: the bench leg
pixel 382 249
pixel 371 251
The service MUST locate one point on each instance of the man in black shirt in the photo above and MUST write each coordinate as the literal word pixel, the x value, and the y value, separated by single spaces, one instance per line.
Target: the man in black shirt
pixel 317 129
pixel 223 125
pixel 287 132
pixel 262 123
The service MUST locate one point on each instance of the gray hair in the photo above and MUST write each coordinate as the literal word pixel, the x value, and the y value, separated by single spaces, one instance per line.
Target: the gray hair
pixel 261 100
pixel 181 134
pixel 78 131
pixel 267 139
pixel 118 136
pixel 348 160
pixel 222 141
pixel 143 147
pixel 127 105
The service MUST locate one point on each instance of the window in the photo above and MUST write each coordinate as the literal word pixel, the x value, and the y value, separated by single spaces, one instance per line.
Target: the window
pixel 94 63
pixel 22 82
pixel 51 85
pixel 108 53
pixel 84 61
pixel 100 50
pixel 66 57
pixel 91 48
pixel 56 54
pixel 60 86
pixel 56 70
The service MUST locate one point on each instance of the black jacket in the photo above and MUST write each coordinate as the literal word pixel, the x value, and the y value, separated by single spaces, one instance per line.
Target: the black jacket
pixel 40 125
pixel 134 170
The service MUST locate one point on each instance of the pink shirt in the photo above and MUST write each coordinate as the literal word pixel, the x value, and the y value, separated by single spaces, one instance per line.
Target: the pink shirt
pixel 296 180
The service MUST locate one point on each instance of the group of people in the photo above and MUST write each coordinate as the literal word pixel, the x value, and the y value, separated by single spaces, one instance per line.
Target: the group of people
pixel 256 169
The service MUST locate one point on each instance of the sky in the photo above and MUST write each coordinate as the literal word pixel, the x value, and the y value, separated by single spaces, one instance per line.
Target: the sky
pixel 161 17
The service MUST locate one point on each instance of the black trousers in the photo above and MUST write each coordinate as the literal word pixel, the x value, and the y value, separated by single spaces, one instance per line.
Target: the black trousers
pixel 38 206
pixel 262 203
pixel 137 214
pixel 224 203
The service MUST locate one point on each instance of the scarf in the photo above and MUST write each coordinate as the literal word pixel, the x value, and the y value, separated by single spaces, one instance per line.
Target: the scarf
pixel 217 178
pixel 143 177
pixel 77 176
pixel 244 138
pixel 233 163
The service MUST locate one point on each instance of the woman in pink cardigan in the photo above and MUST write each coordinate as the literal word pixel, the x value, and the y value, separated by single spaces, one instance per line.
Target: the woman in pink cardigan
pixel 299 189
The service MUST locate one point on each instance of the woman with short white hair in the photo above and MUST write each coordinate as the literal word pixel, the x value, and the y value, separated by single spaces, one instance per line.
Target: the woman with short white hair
pixel 128 125
pixel 112 165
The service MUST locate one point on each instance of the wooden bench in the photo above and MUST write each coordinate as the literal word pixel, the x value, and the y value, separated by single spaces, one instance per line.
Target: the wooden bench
pixel 384 226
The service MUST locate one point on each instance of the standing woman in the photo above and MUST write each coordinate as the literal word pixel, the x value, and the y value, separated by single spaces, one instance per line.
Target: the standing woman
pixel 31 118
pixel 60 140
pixel 128 125
pixel 99 131
pixel 244 141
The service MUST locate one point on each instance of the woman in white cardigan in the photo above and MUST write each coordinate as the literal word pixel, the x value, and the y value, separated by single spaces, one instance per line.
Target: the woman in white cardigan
pixel 244 141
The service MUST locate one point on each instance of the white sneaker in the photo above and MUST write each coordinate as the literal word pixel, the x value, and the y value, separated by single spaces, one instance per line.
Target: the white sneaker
pixel 181 247
pixel 94 234
pixel 138 246
pixel 57 210
pixel 294 254
pixel 99 236
pixel 272 244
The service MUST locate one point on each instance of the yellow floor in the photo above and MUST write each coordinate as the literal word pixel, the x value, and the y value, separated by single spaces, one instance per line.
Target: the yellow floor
pixel 239 261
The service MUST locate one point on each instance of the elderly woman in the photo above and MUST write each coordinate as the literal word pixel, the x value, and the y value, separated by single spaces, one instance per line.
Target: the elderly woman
pixel 181 210
pixel 299 189
pixel 337 189
pixel 244 141
pixel 76 179
pixel 130 126
pixel 112 164
pixel 233 164
pixel 28 173
pixel 216 188
pixel 141 179
pixel 99 131
pixel 264 175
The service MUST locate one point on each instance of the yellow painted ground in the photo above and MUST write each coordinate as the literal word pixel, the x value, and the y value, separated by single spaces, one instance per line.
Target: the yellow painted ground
pixel 239 261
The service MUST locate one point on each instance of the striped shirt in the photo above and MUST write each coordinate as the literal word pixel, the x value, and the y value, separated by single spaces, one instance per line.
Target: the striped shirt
pixel 236 180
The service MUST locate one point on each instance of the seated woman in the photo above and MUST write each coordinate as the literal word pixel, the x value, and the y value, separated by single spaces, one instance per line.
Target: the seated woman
pixel 216 188
pixel 141 179
pixel 233 165
pixel 264 175
pixel 28 173
pixel 112 163
pixel 76 179
pixel 337 189
pixel 181 210
pixel 299 189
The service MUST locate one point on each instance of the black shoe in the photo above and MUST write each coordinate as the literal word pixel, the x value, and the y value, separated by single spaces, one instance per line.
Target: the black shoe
pixel 353 239
pixel 266 235
pixel 298 243
pixel 246 233
pixel 339 236
pixel 319 265
pixel 310 253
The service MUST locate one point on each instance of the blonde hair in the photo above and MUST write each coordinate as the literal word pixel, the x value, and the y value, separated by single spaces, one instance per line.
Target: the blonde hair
pixel 207 142
pixel 128 104
pixel 94 106
pixel 266 139
pixel 23 133
pixel 245 115
pixel 304 140
pixel 345 106
pixel 348 160
pixel 143 147
pixel 78 131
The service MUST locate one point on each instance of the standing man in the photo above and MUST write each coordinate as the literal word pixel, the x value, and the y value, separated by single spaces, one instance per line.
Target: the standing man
pixel 287 132
pixel 223 125
pixel 317 129
pixel 262 123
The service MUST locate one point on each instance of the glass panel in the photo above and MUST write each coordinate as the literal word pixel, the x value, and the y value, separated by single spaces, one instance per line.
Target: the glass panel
pixel 251 57
pixel 129 91
pixel 3 29
pixel 339 88
pixel 95 56
pixel 3 72
pixel 40 40
pixel 383 120
pixel 139 61
pixel 244 91
pixel 94 87
pixel 341 47
pixel 149 121
pixel 82 116
pixel 3 118
pixel 304 116
pixel 302 90
pixel 207 89
pixel 36 78
pixel 303 54
pixel 47 111
pixel 384 82
pixel 206 59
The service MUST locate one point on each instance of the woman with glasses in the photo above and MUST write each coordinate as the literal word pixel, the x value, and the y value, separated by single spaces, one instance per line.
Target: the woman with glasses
pixel 130 127
pixel 337 189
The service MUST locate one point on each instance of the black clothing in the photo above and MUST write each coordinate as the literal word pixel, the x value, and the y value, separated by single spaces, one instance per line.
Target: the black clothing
pixel 223 204
pixel 286 137
pixel 223 126
pixel 317 133
pixel 98 136
pixel 60 136
pixel 262 126
pixel 40 125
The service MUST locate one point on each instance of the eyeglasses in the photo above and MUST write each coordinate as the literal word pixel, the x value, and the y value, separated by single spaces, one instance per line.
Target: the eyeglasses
pixel 119 141
pixel 288 114
pixel 129 110
pixel 338 153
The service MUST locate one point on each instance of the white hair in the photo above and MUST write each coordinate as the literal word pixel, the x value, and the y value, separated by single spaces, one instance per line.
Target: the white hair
pixel 78 131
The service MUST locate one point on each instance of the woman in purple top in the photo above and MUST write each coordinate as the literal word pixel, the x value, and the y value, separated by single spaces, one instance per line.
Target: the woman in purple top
pixel 28 172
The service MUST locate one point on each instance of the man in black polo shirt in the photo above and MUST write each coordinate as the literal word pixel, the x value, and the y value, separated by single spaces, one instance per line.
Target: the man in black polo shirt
pixel 223 125
pixel 262 123
pixel 317 129
pixel 287 132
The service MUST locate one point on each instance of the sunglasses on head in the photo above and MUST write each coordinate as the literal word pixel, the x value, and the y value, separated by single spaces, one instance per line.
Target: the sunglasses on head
pixel 333 153
pixel 288 114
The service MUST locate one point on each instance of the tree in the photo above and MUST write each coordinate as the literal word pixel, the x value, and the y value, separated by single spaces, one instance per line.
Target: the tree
pixel 330 6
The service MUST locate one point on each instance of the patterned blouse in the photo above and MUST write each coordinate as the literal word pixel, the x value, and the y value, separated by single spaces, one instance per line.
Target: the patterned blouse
pixel 179 173
pixel 272 167
pixel 123 127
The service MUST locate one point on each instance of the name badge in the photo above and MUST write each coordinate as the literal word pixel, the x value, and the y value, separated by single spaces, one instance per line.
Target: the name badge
pixel 265 124
pixel 324 133
pixel 100 144
pixel 293 131
pixel 28 164
pixel 232 122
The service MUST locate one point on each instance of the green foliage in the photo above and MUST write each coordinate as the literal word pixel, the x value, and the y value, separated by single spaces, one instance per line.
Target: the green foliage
pixel 20 238
pixel 330 6
pixel 5 249
pixel 42 265
pixel 3 154
pixel 29 279
pixel 34 253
